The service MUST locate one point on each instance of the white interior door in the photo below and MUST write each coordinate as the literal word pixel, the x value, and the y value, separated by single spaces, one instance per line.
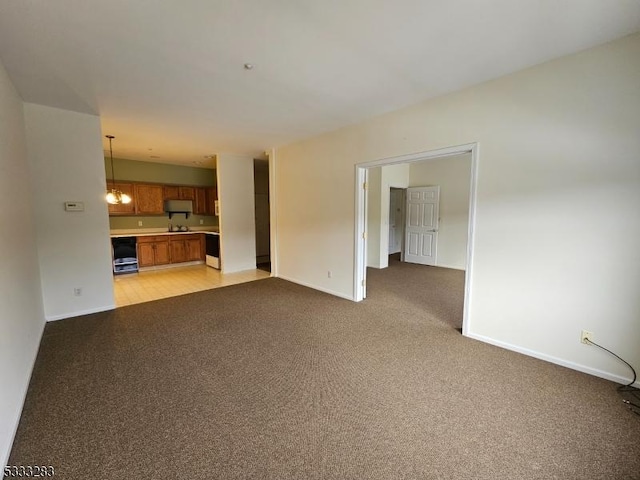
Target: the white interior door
pixel 421 232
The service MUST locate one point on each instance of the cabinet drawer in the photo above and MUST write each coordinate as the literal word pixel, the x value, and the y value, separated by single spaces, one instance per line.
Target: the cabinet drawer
pixel 185 237
pixel 153 239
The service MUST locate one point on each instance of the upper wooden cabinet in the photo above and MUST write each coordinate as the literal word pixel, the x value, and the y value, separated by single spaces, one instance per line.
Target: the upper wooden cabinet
pixel 212 197
pixel 123 208
pixel 188 193
pixel 149 199
pixel 200 205
pixel 177 192
pixel 171 192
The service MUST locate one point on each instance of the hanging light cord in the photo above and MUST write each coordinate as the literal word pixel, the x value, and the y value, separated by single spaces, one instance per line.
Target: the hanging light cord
pixel 113 175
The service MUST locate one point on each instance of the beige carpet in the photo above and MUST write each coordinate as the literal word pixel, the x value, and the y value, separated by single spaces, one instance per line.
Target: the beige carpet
pixel 271 380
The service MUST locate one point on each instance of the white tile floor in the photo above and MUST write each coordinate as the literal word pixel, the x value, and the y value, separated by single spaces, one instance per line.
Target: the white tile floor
pixel 169 282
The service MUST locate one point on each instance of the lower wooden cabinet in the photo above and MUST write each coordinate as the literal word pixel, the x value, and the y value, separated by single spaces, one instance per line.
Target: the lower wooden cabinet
pixel 186 248
pixel 165 249
pixel 153 251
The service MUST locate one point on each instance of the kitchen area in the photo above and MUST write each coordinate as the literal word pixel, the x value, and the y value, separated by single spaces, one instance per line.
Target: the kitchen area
pixel 166 238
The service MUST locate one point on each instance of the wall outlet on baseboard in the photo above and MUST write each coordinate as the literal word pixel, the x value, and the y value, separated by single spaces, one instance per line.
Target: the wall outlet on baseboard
pixel 586 335
pixel 139 223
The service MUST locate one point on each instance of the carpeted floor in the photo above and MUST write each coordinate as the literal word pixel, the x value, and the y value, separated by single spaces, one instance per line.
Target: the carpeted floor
pixel 271 380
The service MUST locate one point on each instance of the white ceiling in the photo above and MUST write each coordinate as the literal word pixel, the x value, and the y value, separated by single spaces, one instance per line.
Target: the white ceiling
pixel 167 77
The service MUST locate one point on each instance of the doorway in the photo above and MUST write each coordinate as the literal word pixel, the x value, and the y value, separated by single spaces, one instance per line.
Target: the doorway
pixel 362 180
pixel 262 214
pixel 396 220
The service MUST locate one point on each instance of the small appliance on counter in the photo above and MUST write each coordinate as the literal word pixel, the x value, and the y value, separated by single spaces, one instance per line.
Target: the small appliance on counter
pixel 212 249
pixel 125 257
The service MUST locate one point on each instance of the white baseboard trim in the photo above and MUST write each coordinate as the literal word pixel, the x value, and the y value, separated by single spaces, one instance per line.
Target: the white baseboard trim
pixel 51 318
pixel 442 265
pixel 4 456
pixel 242 268
pixel 315 287
pixel 558 361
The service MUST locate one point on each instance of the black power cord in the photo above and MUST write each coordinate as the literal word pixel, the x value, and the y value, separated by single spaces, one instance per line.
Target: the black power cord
pixel 628 388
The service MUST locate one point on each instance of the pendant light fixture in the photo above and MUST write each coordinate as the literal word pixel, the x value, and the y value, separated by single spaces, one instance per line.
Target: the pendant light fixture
pixel 115 196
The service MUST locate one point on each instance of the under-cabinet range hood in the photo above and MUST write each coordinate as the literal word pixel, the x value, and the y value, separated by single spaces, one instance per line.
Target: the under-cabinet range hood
pixel 178 206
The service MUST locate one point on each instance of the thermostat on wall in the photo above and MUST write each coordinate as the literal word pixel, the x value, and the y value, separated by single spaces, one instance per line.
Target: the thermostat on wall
pixel 74 206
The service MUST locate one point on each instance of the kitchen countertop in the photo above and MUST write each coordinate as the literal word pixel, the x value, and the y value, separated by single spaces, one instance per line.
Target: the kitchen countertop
pixel 146 232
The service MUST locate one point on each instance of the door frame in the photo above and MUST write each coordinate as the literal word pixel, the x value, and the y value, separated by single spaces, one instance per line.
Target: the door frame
pixel 361 175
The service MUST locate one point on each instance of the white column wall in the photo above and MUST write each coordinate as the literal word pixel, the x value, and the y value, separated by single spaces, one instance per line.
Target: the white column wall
pixel 21 311
pixel 66 160
pixel 236 195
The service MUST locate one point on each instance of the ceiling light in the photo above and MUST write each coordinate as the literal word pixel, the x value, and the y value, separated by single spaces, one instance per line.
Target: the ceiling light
pixel 114 196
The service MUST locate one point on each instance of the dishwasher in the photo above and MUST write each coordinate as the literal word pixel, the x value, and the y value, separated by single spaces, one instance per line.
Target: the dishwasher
pixel 125 257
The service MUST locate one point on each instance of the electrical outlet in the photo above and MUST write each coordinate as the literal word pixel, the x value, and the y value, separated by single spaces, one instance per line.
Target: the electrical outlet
pixel 586 335
pixel 201 222
pixel 77 291
pixel 329 274
pixel 139 223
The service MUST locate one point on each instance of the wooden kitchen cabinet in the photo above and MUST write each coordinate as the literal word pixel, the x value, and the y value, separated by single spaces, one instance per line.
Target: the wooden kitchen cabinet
pixel 186 248
pixel 122 208
pixel 200 205
pixel 153 250
pixel 211 198
pixel 194 248
pixel 179 192
pixel 188 193
pixel 178 251
pixel 149 199
pixel 171 192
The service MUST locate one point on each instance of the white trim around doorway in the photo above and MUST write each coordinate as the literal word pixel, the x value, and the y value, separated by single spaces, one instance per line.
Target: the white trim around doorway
pixel 361 174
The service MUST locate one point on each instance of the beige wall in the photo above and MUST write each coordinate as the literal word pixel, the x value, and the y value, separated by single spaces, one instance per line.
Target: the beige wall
pixel 21 312
pixel 557 195
pixel 453 175
pixel 65 157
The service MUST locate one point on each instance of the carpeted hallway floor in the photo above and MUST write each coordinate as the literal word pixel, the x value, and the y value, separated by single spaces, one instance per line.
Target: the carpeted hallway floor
pixel 271 380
